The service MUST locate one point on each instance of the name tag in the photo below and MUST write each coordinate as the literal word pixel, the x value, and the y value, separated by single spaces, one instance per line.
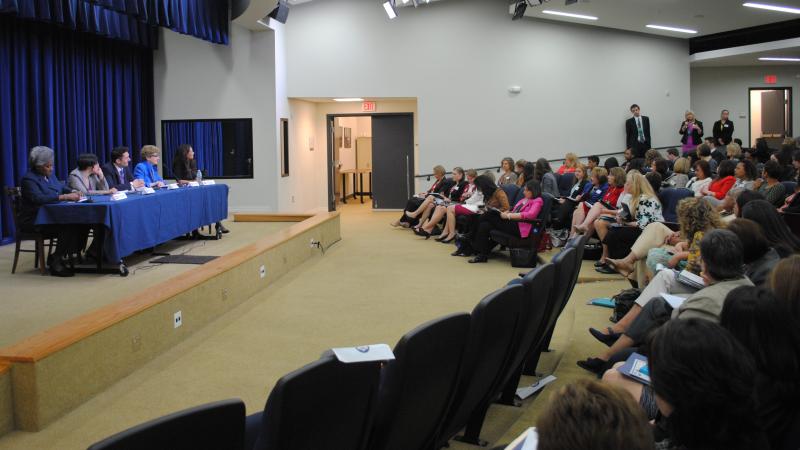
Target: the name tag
pixel 119 196
pixel 599 191
pixel 172 186
pixel 194 183
pixel 148 191
pixel 208 182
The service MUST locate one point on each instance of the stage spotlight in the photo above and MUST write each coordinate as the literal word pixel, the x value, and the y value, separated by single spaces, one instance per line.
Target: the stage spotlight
pixel 519 9
pixel 281 12
pixel 389 7
pixel 570 2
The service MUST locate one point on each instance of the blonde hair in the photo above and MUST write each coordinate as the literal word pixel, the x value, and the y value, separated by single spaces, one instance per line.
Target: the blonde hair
pixel 638 187
pixel 583 169
pixel 734 151
pixel 149 150
pixel 601 173
pixel 472 173
pixel 682 165
pixel 571 160
pixel 619 176
pixel 439 170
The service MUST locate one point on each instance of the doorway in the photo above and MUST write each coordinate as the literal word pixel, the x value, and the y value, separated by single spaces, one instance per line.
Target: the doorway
pixel 370 157
pixel 770 115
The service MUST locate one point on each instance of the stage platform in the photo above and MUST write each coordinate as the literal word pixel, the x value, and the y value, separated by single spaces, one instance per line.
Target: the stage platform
pixel 64 340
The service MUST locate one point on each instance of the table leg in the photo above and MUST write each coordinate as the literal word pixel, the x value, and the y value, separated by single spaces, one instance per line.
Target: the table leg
pixel 370 186
pixel 100 233
pixel 361 186
pixel 354 186
pixel 344 188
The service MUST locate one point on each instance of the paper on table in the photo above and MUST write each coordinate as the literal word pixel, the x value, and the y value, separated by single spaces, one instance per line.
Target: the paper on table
pixel 364 353
pixel 673 300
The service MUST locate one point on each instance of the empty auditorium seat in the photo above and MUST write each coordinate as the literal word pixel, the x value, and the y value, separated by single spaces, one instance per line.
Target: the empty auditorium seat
pixel 417 388
pixel 565 182
pixel 669 198
pixel 214 425
pixel 326 404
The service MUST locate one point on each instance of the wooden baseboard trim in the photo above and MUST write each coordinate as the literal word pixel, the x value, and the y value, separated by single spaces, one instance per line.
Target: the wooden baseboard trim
pixel 250 217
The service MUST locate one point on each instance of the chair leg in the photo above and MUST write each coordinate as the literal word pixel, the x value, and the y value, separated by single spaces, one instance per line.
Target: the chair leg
pixel 472 432
pixel 16 258
pixel 40 255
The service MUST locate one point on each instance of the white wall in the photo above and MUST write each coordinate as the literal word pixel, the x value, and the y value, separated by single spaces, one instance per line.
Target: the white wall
pixel 459 58
pixel 195 79
pixel 718 88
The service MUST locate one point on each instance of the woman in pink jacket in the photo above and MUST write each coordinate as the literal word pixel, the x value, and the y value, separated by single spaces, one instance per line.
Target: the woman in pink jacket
pixel 511 222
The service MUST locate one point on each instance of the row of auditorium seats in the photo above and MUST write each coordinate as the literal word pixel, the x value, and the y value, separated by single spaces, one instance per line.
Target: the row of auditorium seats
pixel 446 374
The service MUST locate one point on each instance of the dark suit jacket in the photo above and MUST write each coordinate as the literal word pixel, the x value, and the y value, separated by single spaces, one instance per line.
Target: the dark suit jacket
pixel 632 134
pixel 112 175
pixel 38 191
pixel 725 133
pixel 697 137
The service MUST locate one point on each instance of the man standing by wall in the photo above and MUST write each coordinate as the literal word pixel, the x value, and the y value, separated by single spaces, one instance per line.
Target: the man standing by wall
pixel 637 132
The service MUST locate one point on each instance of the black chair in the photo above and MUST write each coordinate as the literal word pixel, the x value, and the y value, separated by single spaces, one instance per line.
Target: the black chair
pixel 793 221
pixel 418 386
pixel 537 284
pixel 566 263
pixel 14 195
pixel 789 187
pixel 493 328
pixel 512 192
pixel 218 425
pixel 578 243
pixel 669 198
pixel 326 404
pixel 565 182
pixel 524 251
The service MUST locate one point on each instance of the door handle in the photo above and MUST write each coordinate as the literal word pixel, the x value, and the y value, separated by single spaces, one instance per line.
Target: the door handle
pixel 408 179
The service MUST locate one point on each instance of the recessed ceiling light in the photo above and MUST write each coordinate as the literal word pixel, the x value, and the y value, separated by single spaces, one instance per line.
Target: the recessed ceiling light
pixel 678 30
pixel 779 59
pixel 350 99
pixel 777 8
pixel 575 16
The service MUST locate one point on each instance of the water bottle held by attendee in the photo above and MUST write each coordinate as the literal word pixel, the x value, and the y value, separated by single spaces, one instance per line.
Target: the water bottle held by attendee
pixel 199 176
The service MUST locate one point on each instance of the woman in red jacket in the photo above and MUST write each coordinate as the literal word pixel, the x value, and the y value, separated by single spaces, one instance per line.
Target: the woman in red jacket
pixel 715 192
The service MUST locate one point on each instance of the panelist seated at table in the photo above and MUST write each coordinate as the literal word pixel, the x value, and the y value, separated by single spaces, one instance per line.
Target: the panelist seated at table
pixel 117 172
pixel 88 178
pixel 40 187
pixel 146 170
pixel 184 170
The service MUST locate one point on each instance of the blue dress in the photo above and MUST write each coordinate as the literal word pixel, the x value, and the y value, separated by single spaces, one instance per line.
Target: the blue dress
pixel 147 172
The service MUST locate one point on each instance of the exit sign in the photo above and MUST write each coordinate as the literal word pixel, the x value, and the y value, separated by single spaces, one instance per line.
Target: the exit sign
pixel 770 79
pixel 368 107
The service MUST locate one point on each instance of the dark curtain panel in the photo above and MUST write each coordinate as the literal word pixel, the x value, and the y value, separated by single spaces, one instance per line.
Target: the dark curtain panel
pixel 135 21
pixel 73 92
pixel 205 137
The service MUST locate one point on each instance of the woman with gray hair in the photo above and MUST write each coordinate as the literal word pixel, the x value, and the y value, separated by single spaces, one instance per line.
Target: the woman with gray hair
pixel 41 187
pixel 691 131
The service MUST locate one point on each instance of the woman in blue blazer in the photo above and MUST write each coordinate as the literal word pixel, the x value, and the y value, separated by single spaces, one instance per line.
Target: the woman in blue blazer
pixel 146 170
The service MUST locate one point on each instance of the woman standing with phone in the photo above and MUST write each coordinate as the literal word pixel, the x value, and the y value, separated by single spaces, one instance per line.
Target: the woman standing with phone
pixel 692 132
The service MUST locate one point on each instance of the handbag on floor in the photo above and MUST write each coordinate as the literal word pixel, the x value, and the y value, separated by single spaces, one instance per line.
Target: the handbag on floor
pixel 623 302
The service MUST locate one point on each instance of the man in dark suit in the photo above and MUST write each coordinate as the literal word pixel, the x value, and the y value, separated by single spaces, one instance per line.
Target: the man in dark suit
pixel 637 132
pixel 118 173
pixel 723 129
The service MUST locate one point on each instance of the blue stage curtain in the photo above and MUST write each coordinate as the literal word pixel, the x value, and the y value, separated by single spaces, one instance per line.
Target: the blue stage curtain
pixel 204 136
pixel 73 92
pixel 135 21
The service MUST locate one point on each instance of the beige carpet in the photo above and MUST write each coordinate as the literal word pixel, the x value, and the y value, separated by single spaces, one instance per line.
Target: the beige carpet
pixel 372 287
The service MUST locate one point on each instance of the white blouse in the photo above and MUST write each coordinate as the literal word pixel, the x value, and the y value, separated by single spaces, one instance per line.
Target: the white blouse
pixel 697 185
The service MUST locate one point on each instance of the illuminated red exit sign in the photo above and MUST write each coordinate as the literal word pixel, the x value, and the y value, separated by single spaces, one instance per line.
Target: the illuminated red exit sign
pixel 770 79
pixel 368 107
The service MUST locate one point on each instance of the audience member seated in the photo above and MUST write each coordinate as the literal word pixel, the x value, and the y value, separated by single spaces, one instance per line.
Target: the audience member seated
pixel 544 175
pixel 627 156
pixel 519 166
pixel 610 163
pixel 745 174
pixel 784 158
pixel 40 187
pixel 775 229
pixel 680 171
pixel 637 164
pixel 592 162
pixel 770 185
pixel 605 189
pixel 436 207
pixel 591 415
pixel 492 197
pixel 644 208
pixel 508 176
pixel 733 151
pixel 661 167
pixel 118 173
pixel 570 163
pixel 722 270
pixel 509 222
pixel 88 178
pixel 526 174
pixel 743 199
pixel 650 157
pixel 759 256
pixel 441 185
pixel 658 244
pixel 704 154
pixel 146 170
pixel 784 282
pixel 184 166
pixel 761 153
pixel 655 179
pixel 701 179
pixel 766 327
pixel 672 155
pixel 716 190
pixel 566 205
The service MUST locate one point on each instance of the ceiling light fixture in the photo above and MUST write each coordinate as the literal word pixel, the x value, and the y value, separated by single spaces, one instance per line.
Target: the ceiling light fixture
pixel 349 99
pixel 389 7
pixel 777 8
pixel 770 58
pixel 575 16
pixel 677 30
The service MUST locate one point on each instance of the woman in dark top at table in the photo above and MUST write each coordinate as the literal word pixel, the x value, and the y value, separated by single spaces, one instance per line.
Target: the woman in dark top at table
pixel 184 170
pixel 40 187
pixel 184 166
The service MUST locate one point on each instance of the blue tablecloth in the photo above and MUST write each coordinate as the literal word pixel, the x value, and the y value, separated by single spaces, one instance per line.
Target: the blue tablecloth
pixel 143 221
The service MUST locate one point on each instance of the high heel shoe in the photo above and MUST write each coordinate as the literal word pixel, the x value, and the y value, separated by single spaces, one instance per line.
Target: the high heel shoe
pixel 420 232
pixel 447 241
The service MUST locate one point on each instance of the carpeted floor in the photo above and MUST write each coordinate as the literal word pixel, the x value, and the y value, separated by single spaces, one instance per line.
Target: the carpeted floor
pixel 373 286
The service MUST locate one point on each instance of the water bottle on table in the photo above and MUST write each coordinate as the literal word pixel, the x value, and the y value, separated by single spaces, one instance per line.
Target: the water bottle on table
pixel 199 177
